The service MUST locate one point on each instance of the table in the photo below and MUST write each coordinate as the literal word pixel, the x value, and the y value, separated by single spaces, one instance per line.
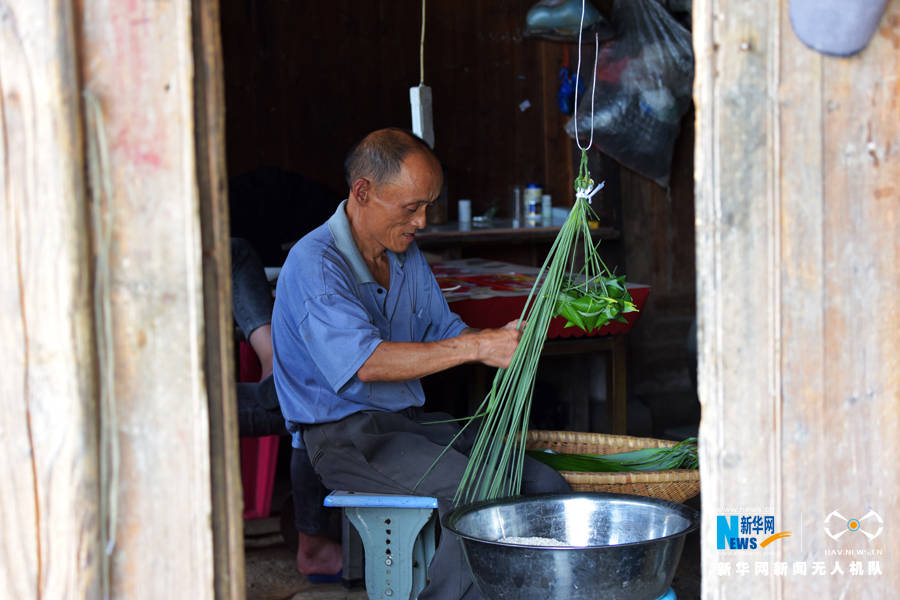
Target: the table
pixel 498 231
pixel 489 294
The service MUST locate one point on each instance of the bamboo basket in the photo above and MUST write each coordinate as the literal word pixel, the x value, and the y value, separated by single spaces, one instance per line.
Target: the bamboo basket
pixel 676 485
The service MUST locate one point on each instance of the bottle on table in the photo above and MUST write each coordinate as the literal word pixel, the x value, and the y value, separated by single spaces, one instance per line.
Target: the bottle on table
pixel 533 195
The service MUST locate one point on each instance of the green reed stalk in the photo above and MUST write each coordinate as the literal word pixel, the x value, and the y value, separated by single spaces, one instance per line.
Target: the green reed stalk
pixel 497 456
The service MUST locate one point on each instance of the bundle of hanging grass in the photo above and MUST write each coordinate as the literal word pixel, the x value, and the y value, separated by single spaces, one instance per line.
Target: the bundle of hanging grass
pixel 588 297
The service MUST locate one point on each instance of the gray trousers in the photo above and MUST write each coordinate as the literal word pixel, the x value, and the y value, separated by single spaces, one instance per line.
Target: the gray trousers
pixel 383 452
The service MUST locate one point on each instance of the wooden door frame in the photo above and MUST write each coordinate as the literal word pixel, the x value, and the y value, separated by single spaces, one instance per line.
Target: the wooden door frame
pixel 209 140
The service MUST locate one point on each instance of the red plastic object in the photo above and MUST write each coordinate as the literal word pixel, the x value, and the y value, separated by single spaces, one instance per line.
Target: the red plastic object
pixel 249 369
pixel 259 455
pixel 258 458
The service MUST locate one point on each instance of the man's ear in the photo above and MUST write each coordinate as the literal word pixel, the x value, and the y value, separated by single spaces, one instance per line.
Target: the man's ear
pixel 360 189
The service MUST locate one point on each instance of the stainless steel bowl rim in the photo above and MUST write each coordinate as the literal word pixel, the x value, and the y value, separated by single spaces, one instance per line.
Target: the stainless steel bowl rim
pixel 692 515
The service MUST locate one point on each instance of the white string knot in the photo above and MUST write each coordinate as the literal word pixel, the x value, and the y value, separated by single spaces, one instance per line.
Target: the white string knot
pixel 587 193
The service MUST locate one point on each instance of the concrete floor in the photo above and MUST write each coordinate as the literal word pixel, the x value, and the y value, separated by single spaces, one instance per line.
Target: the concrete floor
pixel 271 574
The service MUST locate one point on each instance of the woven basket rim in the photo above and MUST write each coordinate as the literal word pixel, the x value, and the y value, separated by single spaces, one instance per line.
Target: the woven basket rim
pixel 600 439
pixel 540 438
pixel 673 476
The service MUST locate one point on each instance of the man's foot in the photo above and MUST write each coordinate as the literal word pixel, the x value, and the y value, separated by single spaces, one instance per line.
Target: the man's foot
pixel 318 555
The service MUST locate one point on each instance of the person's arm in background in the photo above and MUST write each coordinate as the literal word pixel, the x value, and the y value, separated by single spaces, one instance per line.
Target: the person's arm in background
pixel 252 301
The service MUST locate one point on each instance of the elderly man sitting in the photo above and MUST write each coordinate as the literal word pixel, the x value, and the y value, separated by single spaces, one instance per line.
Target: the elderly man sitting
pixel 358 319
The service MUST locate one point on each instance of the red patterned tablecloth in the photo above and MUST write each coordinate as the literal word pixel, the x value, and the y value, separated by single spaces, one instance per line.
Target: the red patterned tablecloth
pixel 489 294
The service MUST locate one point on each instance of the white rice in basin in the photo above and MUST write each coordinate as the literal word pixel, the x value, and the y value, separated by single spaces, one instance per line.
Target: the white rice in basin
pixel 531 541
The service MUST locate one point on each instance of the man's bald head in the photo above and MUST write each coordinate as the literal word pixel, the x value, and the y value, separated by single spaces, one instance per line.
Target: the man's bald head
pixel 379 156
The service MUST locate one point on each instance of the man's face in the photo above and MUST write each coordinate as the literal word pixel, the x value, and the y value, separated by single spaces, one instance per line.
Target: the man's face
pixel 396 208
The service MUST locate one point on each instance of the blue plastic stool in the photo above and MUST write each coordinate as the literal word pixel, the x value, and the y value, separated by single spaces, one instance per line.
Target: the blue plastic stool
pixel 670 595
pixel 397 533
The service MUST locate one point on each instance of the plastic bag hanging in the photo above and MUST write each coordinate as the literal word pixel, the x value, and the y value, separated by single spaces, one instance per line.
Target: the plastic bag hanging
pixel 643 86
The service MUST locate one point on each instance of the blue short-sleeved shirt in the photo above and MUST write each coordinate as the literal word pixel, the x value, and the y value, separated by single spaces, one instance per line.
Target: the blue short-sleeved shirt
pixel 330 314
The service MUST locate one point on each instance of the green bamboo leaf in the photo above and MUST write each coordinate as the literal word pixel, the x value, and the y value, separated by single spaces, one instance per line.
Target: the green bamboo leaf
pixel 571 315
pixel 583 304
pixel 680 456
pixel 615 290
pixel 590 323
pixel 575 462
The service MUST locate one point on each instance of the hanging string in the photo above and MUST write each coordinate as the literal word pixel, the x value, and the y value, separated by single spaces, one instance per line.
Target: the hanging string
pixel 593 84
pixel 422 49
pixel 584 185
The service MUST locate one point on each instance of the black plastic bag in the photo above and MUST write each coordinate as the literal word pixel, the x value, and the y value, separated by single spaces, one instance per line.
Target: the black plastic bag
pixel 643 87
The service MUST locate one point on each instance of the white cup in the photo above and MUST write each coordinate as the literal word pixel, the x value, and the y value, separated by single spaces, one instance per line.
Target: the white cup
pixel 465 212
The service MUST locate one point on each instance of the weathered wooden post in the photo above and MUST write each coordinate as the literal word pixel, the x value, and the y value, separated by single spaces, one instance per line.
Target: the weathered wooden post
pixel 119 432
pixel 49 509
pixel 798 222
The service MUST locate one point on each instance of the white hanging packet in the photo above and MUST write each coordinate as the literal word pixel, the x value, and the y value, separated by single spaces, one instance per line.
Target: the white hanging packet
pixel 420 97
pixel 422 120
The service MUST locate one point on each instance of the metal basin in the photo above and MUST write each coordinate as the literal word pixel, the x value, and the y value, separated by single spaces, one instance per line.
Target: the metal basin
pixel 616 546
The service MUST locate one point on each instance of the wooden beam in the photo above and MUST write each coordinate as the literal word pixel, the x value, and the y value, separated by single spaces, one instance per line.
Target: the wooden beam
pixel 798 270
pixel 209 117
pixel 557 155
pixel 137 62
pixel 50 545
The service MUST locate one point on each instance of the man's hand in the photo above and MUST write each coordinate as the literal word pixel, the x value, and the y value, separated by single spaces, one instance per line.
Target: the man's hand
pixel 495 347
